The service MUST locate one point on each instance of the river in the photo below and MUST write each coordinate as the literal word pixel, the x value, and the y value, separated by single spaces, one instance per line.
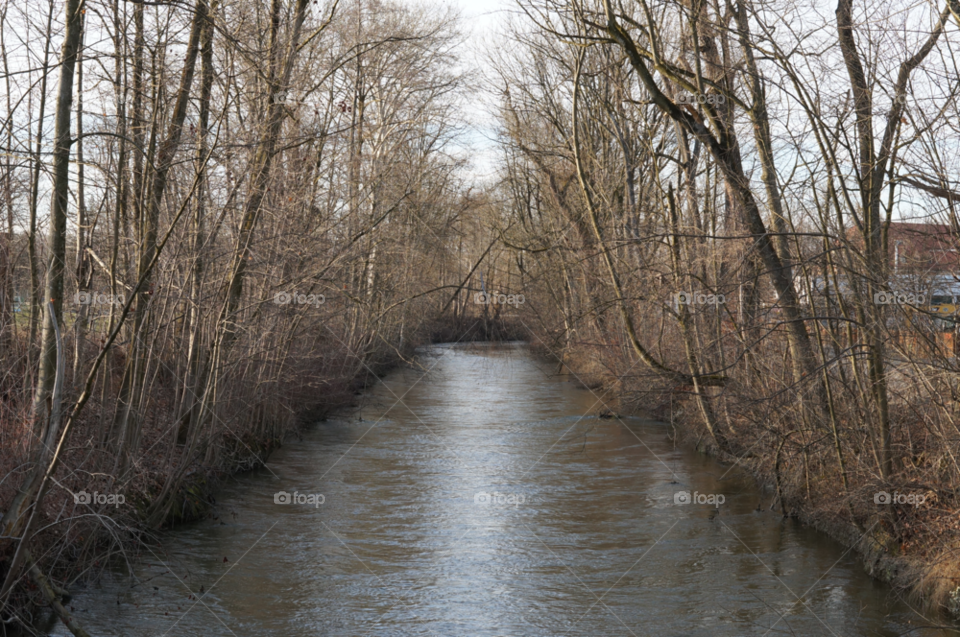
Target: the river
pixel 484 497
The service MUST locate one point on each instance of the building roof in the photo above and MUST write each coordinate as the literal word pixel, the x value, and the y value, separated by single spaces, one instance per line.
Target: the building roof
pixel 920 248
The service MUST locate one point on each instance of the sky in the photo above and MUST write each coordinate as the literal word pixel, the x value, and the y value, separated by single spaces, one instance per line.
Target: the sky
pixel 481 21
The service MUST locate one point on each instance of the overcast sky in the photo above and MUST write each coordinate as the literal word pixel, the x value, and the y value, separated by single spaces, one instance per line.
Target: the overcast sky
pixel 481 22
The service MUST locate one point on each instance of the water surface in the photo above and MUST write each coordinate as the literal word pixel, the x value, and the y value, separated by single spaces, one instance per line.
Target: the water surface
pixel 485 498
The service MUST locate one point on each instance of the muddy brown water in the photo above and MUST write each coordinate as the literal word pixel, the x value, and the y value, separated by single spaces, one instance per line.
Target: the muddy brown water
pixel 483 498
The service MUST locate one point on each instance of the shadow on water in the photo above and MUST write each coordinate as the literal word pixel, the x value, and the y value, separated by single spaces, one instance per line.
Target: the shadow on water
pixel 485 498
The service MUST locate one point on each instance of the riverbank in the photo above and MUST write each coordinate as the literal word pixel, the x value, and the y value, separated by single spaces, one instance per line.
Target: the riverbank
pixel 167 487
pixel 175 476
pixel 906 543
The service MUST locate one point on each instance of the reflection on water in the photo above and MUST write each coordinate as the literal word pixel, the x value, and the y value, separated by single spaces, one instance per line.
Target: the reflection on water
pixel 485 499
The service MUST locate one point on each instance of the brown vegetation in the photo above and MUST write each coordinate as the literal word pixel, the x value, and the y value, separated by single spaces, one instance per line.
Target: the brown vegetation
pixel 706 198
pixel 265 212
pixel 254 206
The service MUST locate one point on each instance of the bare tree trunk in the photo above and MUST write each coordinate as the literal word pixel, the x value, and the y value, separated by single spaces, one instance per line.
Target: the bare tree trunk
pixel 872 168
pixel 187 411
pixel 7 309
pixel 82 261
pixel 279 84
pixel 36 306
pixel 128 438
pixel 58 217
pixel 614 275
pixel 728 159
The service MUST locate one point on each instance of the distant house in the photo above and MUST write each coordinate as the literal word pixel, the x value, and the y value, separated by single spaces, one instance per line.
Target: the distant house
pixel 923 259
pixel 923 249
pixel 923 283
pixel 917 249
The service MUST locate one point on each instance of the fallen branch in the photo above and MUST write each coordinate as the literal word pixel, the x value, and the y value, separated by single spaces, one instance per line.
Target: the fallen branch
pixel 53 593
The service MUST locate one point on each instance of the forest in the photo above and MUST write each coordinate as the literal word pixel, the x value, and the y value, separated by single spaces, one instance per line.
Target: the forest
pixel 220 220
